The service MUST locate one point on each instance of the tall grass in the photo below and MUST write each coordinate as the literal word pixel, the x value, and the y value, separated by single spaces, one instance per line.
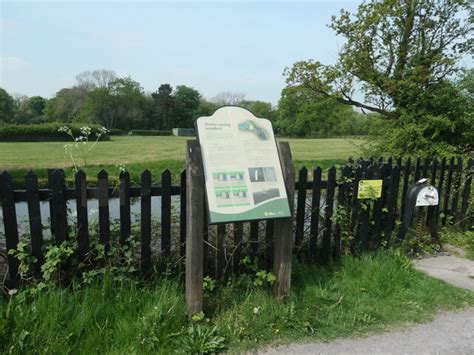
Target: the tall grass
pixel 359 296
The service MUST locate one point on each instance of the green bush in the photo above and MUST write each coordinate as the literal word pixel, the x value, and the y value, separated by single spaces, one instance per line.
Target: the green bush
pixel 149 132
pixel 45 132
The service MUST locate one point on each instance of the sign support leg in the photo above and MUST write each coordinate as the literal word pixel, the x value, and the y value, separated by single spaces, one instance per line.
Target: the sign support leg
pixel 194 227
pixel 283 249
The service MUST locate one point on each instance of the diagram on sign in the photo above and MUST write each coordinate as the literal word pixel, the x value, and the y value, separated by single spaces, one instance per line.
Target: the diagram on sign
pixel 244 180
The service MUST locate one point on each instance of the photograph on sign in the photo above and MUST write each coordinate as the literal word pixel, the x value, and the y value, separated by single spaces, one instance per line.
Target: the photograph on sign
pixel 369 189
pixel 244 179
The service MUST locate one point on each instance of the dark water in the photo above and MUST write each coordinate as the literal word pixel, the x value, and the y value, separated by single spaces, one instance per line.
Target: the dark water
pixel 114 210
pixel 93 209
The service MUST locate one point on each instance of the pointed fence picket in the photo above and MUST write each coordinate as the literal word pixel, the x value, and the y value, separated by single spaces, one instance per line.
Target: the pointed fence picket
pixel 321 196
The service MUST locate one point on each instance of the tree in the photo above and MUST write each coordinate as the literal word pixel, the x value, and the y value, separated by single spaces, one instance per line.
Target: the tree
pixel 29 109
pixel 303 113
pixel 67 105
pixel 399 54
pixel 7 106
pixel 36 105
pixel 119 105
pixel 228 98
pixel 206 108
pixel 186 104
pixel 259 108
pixel 129 102
pixel 100 78
pixel 162 112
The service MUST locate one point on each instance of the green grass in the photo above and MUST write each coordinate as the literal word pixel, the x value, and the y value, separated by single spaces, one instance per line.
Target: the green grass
pixel 153 153
pixel 461 239
pixel 135 149
pixel 360 296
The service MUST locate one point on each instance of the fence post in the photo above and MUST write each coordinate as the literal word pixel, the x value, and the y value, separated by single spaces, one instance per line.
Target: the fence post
pixel 314 227
pixel 457 187
pixel 238 233
pixel 51 204
pixel 363 231
pixel 392 203
pixel 406 181
pixel 58 213
pixel 268 254
pixel 284 229
pixel 447 192
pixel 300 207
pixel 382 173
pixel 194 227
pixel 220 268
pixel 466 194
pixel 145 223
pixel 440 188
pixel 166 213
pixel 326 247
pixel 34 215
pixel 417 172
pixel 205 231
pixel 124 193
pixel 341 205
pixel 431 214
pixel 355 201
pixel 104 214
pixel 82 218
pixel 253 238
pixel 182 216
pixel 10 224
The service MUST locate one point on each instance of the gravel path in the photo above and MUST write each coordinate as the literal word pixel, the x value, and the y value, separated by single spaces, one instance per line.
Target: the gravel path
pixel 449 333
pixel 449 268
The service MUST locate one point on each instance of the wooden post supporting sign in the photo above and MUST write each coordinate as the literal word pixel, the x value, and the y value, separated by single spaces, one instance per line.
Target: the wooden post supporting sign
pixel 194 226
pixel 283 237
pixel 283 228
pixel 246 176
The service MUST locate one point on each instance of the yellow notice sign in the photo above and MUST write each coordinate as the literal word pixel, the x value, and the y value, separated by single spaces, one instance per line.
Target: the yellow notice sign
pixel 369 189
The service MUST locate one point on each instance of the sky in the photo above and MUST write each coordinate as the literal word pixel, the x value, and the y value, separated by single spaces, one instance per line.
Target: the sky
pixel 211 46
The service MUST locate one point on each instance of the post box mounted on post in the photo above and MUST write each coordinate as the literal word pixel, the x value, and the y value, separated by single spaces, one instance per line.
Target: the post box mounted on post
pixel 418 196
pixel 244 175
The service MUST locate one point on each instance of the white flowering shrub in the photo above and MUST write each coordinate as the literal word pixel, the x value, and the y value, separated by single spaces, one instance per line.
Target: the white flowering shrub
pixel 82 145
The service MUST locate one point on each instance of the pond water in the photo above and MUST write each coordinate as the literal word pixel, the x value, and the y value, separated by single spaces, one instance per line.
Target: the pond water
pixel 93 210
pixel 114 211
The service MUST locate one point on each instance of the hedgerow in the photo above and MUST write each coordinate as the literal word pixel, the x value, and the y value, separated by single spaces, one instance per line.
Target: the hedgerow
pixel 44 132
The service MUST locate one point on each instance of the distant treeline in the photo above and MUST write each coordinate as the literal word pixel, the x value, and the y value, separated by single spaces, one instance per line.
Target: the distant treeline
pixel 100 97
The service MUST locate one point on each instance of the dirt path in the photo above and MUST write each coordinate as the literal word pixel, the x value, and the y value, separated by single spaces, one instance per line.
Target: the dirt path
pixel 449 333
pixel 452 269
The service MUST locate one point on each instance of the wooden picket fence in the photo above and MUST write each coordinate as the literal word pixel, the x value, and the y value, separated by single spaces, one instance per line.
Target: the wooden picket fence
pixel 326 210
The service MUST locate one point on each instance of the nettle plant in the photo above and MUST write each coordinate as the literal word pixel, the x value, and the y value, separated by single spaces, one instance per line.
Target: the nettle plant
pixel 81 144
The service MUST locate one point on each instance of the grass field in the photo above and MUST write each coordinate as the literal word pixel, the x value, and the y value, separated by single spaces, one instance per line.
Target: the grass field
pixel 128 150
pixel 362 295
pixel 153 153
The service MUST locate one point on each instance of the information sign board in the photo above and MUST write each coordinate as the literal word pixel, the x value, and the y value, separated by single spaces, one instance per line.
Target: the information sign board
pixel 369 189
pixel 244 179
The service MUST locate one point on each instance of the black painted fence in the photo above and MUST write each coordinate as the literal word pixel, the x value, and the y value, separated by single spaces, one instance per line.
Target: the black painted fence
pixel 327 211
